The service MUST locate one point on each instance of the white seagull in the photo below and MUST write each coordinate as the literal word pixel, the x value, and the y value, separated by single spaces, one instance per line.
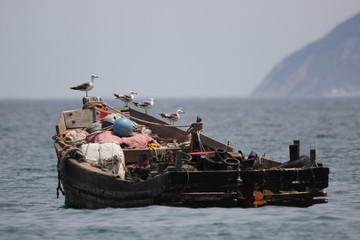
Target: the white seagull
pixel 126 97
pixel 86 86
pixel 172 117
pixel 145 105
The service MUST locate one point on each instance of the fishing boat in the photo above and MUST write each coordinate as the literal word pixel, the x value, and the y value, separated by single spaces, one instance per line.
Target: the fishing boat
pixel 173 165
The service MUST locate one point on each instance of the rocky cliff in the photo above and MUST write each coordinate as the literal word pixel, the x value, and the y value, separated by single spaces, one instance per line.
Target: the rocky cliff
pixel 328 67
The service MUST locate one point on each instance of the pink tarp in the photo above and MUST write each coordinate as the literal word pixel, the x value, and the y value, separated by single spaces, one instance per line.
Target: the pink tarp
pixel 139 140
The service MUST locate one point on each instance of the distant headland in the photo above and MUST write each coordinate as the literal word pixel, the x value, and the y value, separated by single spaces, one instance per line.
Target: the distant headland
pixel 329 67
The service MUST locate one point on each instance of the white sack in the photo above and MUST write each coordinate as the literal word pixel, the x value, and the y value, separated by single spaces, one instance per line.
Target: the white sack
pixel 91 151
pixel 108 155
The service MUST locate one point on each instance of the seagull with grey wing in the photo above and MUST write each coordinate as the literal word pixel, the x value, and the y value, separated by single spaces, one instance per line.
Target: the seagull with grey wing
pixel 172 117
pixel 145 105
pixel 86 86
pixel 126 97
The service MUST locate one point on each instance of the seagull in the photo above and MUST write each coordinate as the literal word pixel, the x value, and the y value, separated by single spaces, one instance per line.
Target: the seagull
pixel 172 117
pixel 126 97
pixel 145 105
pixel 86 86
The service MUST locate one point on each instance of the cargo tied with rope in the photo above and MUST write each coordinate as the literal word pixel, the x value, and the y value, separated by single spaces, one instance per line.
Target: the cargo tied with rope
pixel 121 157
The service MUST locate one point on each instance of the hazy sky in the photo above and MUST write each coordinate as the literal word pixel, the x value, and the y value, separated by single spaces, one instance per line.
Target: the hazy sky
pixel 159 48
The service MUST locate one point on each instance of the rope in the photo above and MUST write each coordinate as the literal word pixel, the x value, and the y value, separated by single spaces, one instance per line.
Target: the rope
pixel 202 148
pixel 164 156
pixel 64 148
pixel 65 153
pixel 79 141
pixel 59 188
pixel 156 154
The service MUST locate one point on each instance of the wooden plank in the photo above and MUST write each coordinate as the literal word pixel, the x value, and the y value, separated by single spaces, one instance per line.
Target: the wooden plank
pixel 82 199
pixel 164 132
pixel 168 132
pixel 274 178
pixel 214 144
pixel 132 155
pixel 60 124
pixel 80 118
pixel 199 196
pixel 94 178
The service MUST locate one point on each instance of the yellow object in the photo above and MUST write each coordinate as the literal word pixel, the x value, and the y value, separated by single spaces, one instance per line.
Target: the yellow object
pixel 154 145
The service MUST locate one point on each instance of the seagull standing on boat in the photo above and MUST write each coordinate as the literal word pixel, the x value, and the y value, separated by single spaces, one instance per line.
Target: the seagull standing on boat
pixel 145 105
pixel 126 97
pixel 172 117
pixel 86 86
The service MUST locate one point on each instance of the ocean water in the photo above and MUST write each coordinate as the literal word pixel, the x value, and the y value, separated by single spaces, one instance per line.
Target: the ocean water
pixel 29 208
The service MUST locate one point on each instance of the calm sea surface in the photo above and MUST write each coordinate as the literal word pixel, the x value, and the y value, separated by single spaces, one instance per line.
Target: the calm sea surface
pixel 29 208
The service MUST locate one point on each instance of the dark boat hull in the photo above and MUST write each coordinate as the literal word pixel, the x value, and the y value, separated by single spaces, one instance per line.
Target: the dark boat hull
pixel 216 175
pixel 88 187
